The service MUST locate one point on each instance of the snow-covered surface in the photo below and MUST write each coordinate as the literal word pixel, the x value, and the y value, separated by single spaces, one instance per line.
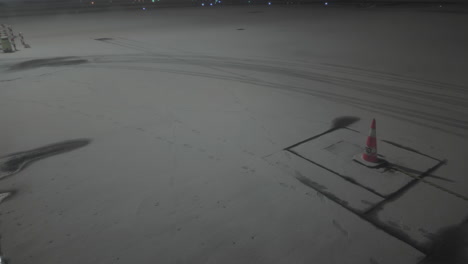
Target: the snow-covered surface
pixel 348 194
pixel 182 109
pixel 336 151
pixel 422 220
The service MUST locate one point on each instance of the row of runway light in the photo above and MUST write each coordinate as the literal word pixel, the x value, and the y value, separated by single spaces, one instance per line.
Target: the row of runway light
pixel 248 2
pixel 219 2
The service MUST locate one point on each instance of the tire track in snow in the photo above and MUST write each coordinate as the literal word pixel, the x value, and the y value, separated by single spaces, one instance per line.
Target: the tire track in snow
pixel 369 105
pixel 124 43
pixel 418 111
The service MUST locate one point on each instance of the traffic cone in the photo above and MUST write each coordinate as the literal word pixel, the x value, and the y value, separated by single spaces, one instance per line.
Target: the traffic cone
pixel 369 158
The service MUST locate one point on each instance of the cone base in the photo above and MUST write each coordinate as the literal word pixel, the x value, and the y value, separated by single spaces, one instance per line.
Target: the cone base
pixel 358 158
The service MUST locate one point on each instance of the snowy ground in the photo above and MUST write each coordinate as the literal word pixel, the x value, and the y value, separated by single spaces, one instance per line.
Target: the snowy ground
pixel 183 107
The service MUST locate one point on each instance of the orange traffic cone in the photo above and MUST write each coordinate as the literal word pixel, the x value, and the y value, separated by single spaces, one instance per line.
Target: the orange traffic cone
pixel 369 158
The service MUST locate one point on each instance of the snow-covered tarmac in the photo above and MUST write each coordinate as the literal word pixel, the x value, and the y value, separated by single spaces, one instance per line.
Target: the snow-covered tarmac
pixel 185 109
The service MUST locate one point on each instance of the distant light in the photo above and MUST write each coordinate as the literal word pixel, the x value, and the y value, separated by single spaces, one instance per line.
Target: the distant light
pixel 203 4
pixel 269 3
pixel 211 4
pixel 219 2
pixel 326 3
pixel 92 3
pixel 152 1
pixel 144 8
